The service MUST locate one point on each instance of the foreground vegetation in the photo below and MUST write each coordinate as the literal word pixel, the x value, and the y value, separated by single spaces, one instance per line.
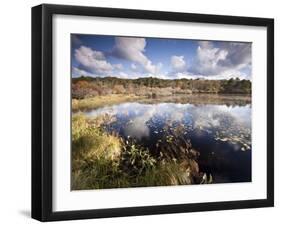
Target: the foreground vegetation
pixel 85 87
pixel 103 160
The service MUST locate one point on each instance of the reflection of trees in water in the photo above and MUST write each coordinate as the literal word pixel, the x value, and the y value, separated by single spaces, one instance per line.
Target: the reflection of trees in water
pixel 199 99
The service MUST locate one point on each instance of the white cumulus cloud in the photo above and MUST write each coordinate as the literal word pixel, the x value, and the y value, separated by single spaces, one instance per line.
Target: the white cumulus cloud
pixel 94 60
pixel 208 58
pixel 76 72
pixel 178 63
pixel 224 61
pixel 133 49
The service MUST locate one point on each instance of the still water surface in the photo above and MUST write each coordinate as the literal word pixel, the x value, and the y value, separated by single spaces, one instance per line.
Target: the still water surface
pixel 219 130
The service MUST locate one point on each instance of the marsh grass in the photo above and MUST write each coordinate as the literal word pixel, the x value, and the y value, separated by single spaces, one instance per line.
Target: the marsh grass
pixel 101 160
pixel 99 101
pixel 95 154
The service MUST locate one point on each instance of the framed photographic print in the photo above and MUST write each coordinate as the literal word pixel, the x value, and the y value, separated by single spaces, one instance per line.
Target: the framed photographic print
pixel 146 112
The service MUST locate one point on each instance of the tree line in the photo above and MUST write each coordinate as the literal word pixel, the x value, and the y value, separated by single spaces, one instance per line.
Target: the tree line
pixel 83 87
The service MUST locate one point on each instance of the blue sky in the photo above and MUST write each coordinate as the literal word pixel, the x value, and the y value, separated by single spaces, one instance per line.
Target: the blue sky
pixel 134 57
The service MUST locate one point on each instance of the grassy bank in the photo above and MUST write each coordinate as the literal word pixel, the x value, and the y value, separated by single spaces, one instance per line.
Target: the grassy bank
pixel 103 160
pixel 100 101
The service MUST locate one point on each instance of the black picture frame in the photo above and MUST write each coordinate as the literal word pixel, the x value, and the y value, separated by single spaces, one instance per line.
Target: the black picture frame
pixel 42 107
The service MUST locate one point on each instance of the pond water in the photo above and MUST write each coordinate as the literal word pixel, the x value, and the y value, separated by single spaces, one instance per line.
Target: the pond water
pixel 219 129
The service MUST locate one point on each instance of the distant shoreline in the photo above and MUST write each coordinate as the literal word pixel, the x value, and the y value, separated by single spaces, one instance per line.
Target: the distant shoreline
pixel 85 87
pixel 213 99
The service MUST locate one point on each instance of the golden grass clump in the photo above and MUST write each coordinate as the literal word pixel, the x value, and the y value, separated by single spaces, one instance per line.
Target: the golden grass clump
pixel 91 142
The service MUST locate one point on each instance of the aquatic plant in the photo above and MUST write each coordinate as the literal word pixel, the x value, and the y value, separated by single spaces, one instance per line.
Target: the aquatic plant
pixel 136 159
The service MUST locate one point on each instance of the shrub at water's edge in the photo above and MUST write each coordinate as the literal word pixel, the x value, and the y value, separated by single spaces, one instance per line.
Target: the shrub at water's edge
pixel 101 160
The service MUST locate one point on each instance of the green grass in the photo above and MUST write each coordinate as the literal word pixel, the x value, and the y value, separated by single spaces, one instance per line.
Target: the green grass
pixel 101 160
